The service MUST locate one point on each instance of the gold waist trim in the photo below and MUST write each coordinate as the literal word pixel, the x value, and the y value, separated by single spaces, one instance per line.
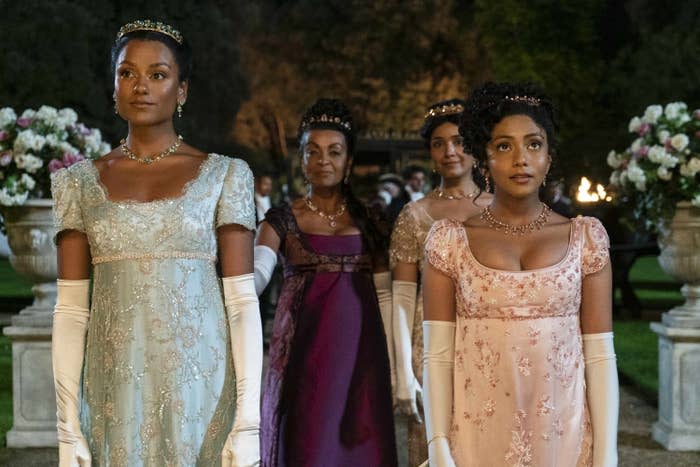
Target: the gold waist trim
pixel 157 255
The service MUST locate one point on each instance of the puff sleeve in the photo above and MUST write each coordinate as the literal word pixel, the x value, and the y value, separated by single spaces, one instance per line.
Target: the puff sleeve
pixel 404 241
pixel 441 245
pixel 66 194
pixel 236 203
pixel 595 254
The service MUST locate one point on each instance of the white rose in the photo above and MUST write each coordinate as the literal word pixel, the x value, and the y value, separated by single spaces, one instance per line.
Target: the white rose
pixel 694 165
pixel 27 139
pixel 615 178
pixel 635 174
pixel 656 153
pixel 614 160
pixel 67 147
pixel 680 141
pixel 29 113
pixel 663 135
pixel 652 114
pixel 27 181
pixel 634 124
pixel 52 140
pixel 7 117
pixel 685 171
pixel 696 201
pixel 641 185
pixel 636 145
pixel 8 199
pixel 664 174
pixel 29 162
pixel 68 116
pixel 669 161
pixel 104 148
pixel 673 110
pixel 48 114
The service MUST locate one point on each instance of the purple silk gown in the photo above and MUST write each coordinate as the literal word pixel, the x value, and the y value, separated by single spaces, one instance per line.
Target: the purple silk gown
pixel 327 395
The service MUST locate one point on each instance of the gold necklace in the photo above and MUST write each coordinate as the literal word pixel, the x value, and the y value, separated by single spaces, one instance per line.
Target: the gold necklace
pixel 442 195
pixel 331 217
pixel 150 159
pixel 509 229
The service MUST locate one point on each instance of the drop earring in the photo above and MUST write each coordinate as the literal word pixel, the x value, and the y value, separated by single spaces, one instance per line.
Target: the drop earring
pixel 179 110
pixel 544 180
pixel 488 184
pixel 116 107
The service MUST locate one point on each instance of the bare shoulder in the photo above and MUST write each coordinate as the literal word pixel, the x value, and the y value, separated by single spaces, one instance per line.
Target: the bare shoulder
pixel 190 151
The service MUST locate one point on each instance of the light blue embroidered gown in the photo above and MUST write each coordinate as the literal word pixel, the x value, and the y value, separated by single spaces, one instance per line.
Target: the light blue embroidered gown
pixel 158 379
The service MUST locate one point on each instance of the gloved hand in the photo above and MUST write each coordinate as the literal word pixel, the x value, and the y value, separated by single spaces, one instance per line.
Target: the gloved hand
pixel 408 390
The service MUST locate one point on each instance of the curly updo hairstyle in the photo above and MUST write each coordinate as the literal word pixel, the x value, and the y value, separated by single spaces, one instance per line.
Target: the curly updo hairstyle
pixel 489 104
pixel 332 114
pixel 181 52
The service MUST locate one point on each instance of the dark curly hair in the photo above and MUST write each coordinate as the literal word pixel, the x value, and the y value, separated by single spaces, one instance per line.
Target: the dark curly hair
pixel 181 52
pixel 373 227
pixel 491 102
pixel 430 123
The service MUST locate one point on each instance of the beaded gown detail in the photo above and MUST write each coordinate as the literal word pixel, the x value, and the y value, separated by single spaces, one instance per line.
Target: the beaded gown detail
pixel 519 387
pixel 327 394
pixel 158 380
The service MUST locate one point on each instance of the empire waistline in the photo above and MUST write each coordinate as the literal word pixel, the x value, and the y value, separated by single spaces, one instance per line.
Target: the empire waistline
pixel 156 255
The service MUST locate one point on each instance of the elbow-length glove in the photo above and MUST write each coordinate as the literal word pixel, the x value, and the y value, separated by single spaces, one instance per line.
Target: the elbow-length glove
pixel 382 282
pixel 242 448
pixel 603 394
pixel 264 265
pixel 407 387
pixel 438 374
pixel 70 319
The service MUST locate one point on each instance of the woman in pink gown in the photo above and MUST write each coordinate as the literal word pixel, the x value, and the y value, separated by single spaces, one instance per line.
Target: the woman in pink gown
pixel 519 367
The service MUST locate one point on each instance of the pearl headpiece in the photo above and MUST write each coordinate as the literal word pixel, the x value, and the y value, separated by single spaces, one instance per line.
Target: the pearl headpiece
pixel 523 100
pixel 447 109
pixel 149 25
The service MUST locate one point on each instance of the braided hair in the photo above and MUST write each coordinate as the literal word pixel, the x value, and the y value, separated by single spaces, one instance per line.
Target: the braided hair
pixel 491 102
pixel 332 114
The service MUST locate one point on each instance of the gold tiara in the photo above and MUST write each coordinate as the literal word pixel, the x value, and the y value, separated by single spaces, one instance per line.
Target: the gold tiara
pixel 447 109
pixel 523 100
pixel 323 118
pixel 148 25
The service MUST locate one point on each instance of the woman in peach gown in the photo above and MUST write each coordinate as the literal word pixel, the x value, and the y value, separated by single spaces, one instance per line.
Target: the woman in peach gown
pixel 519 366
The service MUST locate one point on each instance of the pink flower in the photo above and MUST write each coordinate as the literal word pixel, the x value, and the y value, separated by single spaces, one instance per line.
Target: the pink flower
pixel 70 159
pixel 24 122
pixel 5 158
pixel 55 165
pixel 4 135
pixel 643 151
pixel 644 129
pixel 83 130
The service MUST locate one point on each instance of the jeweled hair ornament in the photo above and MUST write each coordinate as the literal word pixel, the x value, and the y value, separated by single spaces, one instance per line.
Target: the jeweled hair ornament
pixel 447 109
pixel 149 25
pixel 325 118
pixel 529 100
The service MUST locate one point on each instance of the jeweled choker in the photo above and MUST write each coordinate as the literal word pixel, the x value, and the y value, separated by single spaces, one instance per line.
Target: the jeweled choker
pixel 440 193
pixel 150 159
pixel 509 229
pixel 331 217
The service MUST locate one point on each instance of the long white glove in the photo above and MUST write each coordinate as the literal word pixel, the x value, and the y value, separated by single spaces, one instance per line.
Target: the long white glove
pixel 382 282
pixel 242 448
pixel 264 265
pixel 70 319
pixel 438 375
pixel 407 387
pixel 603 393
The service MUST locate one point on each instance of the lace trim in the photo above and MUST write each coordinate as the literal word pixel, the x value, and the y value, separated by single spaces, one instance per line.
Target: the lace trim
pixel 159 255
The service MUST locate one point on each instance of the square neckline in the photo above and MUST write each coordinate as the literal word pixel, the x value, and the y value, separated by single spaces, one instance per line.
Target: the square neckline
pixel 569 249
pixel 203 166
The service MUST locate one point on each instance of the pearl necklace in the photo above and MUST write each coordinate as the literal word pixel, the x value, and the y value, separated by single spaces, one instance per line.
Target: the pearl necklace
pixel 331 217
pixel 440 193
pixel 148 160
pixel 509 229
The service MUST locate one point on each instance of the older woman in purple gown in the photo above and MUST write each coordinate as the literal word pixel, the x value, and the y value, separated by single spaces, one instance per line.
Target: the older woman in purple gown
pixel 327 397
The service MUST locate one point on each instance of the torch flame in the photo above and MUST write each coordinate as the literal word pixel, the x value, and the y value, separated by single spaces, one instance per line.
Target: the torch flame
pixel 585 195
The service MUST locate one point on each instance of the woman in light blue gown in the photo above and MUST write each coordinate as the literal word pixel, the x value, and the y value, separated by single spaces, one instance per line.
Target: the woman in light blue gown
pixel 170 355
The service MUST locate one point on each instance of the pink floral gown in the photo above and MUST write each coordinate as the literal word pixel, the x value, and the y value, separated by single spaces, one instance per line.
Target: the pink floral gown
pixel 519 388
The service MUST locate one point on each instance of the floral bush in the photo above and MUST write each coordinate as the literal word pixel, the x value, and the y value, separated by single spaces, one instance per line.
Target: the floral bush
pixel 37 144
pixel 662 165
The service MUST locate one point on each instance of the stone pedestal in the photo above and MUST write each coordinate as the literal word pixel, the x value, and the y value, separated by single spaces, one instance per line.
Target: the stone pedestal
pixel 678 427
pixel 32 253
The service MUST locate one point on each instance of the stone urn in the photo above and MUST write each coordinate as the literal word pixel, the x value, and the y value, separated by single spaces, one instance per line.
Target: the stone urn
pixel 30 232
pixel 679 242
pixel 678 426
